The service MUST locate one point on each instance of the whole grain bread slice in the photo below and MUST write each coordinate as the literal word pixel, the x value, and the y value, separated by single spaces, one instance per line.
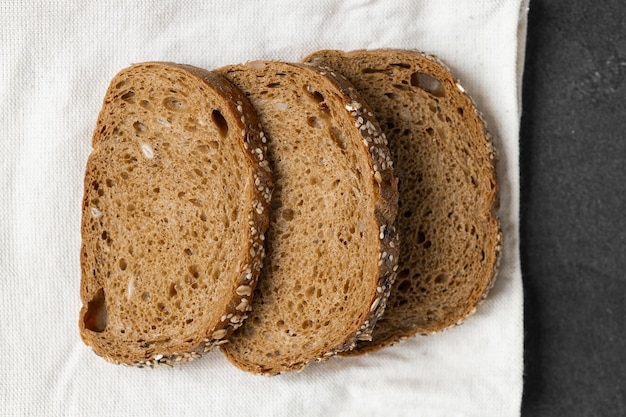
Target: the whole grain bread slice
pixel 445 163
pixel 331 245
pixel 176 199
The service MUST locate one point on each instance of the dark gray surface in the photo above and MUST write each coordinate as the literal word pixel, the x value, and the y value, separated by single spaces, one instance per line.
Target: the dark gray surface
pixel 573 209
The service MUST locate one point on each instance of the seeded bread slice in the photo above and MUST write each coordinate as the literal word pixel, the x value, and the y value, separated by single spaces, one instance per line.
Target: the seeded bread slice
pixel 331 245
pixel 445 162
pixel 176 201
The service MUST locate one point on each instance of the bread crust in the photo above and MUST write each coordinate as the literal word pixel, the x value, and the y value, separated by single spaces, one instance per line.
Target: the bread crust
pixel 383 60
pixel 385 184
pixel 252 149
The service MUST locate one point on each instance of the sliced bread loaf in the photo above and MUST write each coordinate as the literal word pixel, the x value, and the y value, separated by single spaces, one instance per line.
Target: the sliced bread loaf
pixel 176 202
pixel 331 246
pixel 445 163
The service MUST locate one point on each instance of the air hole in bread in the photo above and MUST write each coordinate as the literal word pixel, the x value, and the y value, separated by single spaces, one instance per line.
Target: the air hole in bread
pixel 408 213
pixel 96 318
pixel 441 278
pixel 309 291
pixel 123 264
pixel 377 70
pixel 403 273
pixel 273 85
pixel 404 286
pixel 421 237
pixel 315 95
pixel 203 148
pixel 110 183
pixel 220 122
pixel 174 104
pixel 139 127
pixel 288 214
pixel 427 244
pixel 315 122
pixel 193 270
pixel 339 137
pixel 145 104
pixel 128 96
pixel 163 308
pixel 427 83
pixel 401 65
pixel 172 292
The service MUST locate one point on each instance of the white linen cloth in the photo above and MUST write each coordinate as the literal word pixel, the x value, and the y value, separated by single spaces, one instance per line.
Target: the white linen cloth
pixel 57 60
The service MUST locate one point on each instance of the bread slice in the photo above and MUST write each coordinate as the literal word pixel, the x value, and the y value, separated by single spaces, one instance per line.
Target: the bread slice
pixel 176 202
pixel 331 245
pixel 445 163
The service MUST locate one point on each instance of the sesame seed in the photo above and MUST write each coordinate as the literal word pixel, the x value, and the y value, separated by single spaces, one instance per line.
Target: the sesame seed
pixel 364 337
pixel 95 212
pixel 147 150
pixel 219 334
pixel 460 87
pixel 244 290
pixel 242 305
